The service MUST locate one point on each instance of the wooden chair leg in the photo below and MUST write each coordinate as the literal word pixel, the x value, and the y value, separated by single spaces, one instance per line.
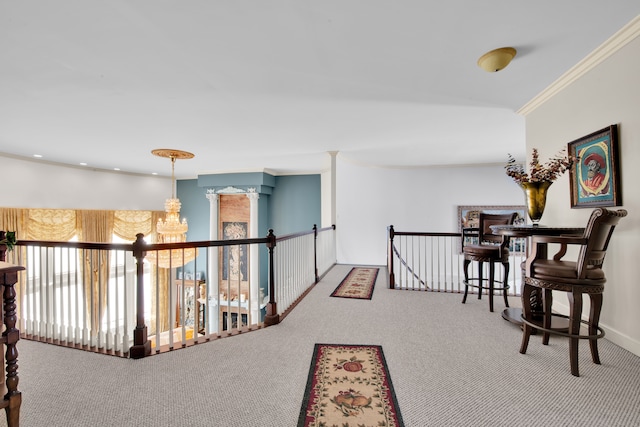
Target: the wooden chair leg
pixel 575 311
pixel 505 282
pixel 480 279
pixel 465 267
pixel 13 410
pixel 547 303
pixel 492 274
pixel 526 314
pixel 594 319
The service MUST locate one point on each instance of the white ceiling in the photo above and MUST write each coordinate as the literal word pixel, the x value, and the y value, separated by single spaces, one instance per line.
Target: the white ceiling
pixel 275 85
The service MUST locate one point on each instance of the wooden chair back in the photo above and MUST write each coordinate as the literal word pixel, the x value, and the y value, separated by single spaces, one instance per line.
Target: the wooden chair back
pixel 597 235
pixel 486 220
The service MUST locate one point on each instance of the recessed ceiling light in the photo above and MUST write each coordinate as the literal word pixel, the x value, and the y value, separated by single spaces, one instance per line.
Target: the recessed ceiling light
pixel 154 173
pixel 37 155
pixel 83 164
pixel 116 169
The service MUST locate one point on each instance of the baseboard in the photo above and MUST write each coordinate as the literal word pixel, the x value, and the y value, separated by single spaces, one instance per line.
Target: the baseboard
pixel 611 334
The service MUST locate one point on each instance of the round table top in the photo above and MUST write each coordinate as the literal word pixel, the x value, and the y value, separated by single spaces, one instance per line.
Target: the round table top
pixel 531 230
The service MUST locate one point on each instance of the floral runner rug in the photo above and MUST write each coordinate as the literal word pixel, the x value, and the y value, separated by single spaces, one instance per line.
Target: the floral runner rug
pixel 349 386
pixel 357 284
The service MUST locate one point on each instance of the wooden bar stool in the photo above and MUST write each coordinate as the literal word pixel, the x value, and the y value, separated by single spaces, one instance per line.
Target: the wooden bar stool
pixel 576 278
pixel 491 248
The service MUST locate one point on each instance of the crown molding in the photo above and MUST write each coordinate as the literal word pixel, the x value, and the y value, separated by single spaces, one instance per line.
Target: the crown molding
pixel 616 42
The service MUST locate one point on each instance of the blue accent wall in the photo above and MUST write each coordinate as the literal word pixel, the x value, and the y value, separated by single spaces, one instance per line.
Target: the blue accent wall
pixel 295 204
pixel 287 204
pixel 195 208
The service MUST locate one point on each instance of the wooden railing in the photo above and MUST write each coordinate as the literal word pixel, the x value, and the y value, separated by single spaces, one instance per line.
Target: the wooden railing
pixel 111 299
pixel 431 261
pixel 301 260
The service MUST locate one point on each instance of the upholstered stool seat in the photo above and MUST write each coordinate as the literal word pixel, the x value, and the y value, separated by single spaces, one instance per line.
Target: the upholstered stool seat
pixel 491 249
pixel 576 278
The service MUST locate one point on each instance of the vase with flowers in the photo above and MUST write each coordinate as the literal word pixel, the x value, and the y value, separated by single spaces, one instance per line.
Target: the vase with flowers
pixel 537 181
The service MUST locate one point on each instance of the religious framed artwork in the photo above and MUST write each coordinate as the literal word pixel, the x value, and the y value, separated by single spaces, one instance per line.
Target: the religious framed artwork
pixel 468 223
pixel 594 176
pixel 234 264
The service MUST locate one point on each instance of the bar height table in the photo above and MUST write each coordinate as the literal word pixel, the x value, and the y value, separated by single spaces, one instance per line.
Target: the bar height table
pixel 513 314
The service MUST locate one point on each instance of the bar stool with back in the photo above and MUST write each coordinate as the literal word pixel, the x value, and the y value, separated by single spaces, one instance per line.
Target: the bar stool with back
pixel 579 277
pixel 491 248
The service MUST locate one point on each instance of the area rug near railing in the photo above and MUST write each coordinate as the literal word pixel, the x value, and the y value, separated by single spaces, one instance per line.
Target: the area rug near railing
pixel 349 385
pixel 357 284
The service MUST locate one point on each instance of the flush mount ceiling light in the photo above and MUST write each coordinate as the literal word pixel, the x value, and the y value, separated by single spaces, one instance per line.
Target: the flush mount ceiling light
pixel 496 59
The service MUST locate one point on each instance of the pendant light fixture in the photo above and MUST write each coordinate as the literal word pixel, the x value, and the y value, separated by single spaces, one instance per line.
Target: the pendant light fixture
pixel 171 229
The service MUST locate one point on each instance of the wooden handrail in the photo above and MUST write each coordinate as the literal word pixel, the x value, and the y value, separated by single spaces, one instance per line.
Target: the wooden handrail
pixel 140 345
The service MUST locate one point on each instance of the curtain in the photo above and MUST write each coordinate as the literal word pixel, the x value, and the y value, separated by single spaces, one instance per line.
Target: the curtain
pixel 51 224
pixel 97 227
pixel 92 226
pixel 159 289
pixel 127 224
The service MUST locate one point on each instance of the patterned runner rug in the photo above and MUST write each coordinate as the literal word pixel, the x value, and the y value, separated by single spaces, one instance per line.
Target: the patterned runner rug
pixel 357 284
pixel 349 386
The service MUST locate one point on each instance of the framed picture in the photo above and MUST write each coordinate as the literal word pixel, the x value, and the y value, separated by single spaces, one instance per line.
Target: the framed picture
pixel 234 258
pixel 468 219
pixel 594 176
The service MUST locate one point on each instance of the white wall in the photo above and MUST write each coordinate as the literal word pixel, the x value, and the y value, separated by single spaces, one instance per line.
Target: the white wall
pixel 425 199
pixel 326 199
pixel 33 184
pixel 607 94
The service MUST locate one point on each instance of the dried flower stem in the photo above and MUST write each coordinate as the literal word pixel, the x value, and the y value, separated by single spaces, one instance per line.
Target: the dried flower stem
pixel 548 172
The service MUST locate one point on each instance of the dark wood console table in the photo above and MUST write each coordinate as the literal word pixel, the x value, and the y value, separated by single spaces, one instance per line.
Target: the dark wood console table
pixel 514 315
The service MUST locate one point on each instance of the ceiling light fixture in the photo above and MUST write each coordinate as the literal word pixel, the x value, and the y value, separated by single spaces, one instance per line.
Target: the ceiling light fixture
pixel 172 230
pixel 496 59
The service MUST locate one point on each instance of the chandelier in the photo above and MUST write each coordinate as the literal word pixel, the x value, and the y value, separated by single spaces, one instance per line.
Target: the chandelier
pixel 171 229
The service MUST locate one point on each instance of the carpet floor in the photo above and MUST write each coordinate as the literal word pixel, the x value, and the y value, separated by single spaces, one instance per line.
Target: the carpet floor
pixel 452 364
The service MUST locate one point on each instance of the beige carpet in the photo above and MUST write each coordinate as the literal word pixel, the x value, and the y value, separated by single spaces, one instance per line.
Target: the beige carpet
pixel 452 364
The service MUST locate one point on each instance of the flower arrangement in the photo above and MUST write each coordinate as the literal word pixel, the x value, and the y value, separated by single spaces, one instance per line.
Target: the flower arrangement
pixel 548 172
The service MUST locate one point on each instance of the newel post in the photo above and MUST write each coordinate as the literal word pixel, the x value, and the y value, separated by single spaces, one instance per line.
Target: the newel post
pixel 141 345
pixel 315 252
pixel 392 277
pixel 10 336
pixel 272 317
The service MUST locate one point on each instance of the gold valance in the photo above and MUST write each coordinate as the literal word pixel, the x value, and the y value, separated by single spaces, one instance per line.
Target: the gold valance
pixel 51 224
